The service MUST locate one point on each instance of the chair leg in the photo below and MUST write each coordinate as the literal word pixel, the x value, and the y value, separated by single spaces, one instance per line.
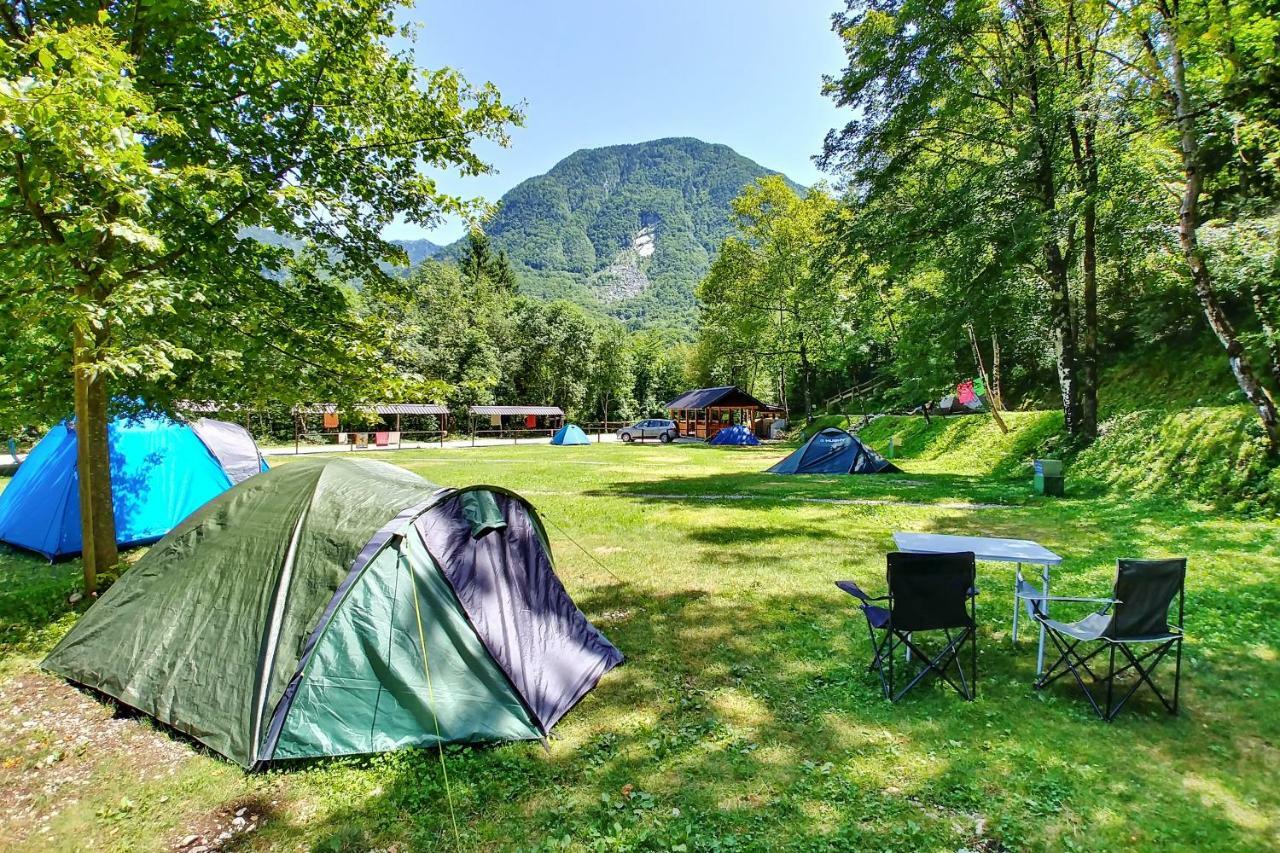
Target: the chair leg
pixel 1067 654
pixel 938 663
pixel 882 651
pixel 1177 676
pixel 973 659
pixel 888 694
pixel 1111 680
pixel 1144 675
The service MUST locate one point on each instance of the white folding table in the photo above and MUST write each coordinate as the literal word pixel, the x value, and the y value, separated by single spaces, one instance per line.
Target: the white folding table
pixel 991 549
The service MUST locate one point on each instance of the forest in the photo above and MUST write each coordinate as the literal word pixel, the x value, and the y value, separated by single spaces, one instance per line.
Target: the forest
pixel 474 338
pixel 1050 187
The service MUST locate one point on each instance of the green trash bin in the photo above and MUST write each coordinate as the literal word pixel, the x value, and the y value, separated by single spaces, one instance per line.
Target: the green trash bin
pixel 1048 479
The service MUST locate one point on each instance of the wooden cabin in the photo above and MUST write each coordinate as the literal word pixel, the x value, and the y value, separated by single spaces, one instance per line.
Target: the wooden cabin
pixel 703 412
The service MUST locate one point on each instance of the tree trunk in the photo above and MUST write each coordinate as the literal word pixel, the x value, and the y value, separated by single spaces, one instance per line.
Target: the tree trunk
pixel 1188 239
pixel 1062 335
pixel 1089 328
pixel 93 462
pixel 986 380
pixel 1083 134
pixel 782 392
pixel 804 378
pixel 995 371
pixel 1269 332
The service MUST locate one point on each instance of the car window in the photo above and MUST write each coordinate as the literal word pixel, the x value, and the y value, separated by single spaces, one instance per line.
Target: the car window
pixel 643 424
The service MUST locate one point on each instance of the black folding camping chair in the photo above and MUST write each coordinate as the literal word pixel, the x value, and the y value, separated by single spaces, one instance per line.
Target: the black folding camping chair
pixel 1133 623
pixel 927 593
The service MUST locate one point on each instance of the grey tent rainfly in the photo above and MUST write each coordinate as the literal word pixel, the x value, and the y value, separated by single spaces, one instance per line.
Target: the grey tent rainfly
pixel 343 606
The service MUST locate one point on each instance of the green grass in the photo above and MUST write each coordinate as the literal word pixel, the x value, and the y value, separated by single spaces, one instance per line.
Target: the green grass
pixel 744 718
pixel 1211 455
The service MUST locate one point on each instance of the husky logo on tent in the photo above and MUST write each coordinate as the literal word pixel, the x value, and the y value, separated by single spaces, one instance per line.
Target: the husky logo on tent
pixel 162 470
pixel 338 607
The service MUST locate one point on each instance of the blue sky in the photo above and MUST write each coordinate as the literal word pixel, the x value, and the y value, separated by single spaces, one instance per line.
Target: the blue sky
pixel 745 73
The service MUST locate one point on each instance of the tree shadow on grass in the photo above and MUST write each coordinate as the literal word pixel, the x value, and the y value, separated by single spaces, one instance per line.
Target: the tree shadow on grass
pixel 909 487
pixel 750 721
pixel 34 607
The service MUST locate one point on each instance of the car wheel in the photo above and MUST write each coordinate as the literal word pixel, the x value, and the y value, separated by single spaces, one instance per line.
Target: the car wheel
pixel 626 438
pixel 665 438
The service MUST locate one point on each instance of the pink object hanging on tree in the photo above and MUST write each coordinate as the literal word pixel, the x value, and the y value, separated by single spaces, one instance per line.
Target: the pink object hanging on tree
pixel 964 392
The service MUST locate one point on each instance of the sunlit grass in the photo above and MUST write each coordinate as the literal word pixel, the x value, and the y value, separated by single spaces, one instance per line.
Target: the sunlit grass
pixel 744 717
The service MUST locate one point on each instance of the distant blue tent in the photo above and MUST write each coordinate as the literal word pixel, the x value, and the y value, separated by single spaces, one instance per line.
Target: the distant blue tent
pixel 834 451
pixel 736 434
pixel 161 471
pixel 570 434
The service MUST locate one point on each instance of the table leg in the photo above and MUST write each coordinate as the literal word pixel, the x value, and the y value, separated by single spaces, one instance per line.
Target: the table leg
pixel 1044 587
pixel 1017 605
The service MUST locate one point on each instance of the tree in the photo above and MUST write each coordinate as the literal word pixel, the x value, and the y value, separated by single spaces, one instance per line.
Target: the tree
pixel 478 262
pixel 549 355
pixel 138 141
pixel 771 295
pixel 612 379
pixel 1164 41
pixel 962 137
pixel 659 368
pixel 444 327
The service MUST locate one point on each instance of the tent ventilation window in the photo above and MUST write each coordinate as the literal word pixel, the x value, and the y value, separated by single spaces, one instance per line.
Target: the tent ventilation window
pixel 483 513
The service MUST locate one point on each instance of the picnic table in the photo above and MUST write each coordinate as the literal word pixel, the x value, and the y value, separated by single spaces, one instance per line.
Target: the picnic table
pixel 995 550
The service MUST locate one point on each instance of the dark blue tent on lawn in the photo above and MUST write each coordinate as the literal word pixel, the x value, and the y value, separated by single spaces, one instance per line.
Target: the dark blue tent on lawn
pixel 736 434
pixel 570 434
pixel 161 471
pixel 834 451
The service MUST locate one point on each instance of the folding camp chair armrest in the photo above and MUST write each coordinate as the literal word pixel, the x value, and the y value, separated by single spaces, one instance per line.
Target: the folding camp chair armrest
pixel 1042 597
pixel 856 591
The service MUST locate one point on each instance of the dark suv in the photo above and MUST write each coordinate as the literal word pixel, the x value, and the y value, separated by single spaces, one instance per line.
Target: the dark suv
pixel 658 428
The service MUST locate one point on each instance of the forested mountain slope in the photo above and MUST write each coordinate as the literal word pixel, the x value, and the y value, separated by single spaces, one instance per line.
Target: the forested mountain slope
pixel 627 229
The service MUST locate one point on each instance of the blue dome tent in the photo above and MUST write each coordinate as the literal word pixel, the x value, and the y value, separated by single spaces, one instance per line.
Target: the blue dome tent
pixel 570 434
pixel 834 451
pixel 736 434
pixel 162 470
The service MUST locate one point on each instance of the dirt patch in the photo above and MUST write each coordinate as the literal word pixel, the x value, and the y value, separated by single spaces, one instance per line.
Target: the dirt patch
pixel 56 743
pixel 229 827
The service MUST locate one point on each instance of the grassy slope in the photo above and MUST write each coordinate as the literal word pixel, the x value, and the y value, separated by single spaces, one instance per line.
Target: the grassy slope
pixel 1172 424
pixel 744 717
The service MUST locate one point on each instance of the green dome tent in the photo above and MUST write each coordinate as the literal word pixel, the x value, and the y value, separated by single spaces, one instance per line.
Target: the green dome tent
pixel 343 606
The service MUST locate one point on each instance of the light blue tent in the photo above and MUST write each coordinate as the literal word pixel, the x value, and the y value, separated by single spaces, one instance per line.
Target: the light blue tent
pixel 570 434
pixel 161 471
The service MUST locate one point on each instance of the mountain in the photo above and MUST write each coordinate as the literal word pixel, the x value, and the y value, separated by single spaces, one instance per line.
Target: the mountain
pixel 627 229
pixel 417 250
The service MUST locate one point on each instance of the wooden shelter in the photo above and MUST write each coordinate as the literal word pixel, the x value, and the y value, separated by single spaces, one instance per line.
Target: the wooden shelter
pixel 703 412
pixel 515 421
pixel 374 424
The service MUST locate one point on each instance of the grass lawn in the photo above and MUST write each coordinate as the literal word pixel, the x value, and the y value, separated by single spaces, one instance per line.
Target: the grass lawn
pixel 744 717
